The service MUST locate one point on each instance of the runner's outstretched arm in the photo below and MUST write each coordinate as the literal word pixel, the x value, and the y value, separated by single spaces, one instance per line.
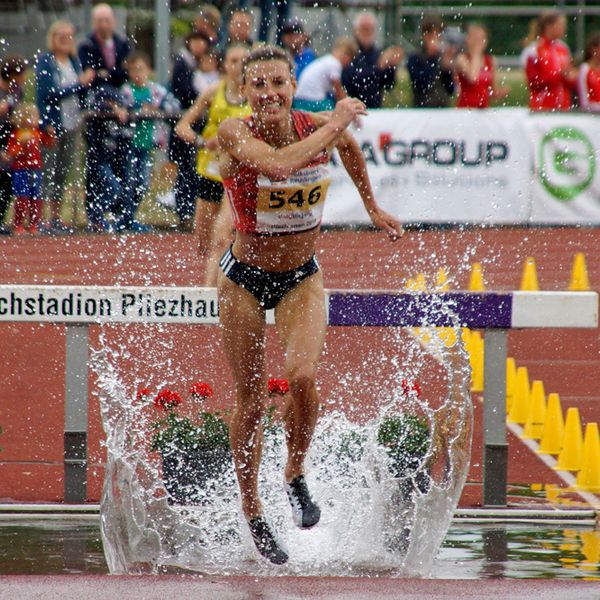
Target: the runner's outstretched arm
pixel 354 163
pixel 236 139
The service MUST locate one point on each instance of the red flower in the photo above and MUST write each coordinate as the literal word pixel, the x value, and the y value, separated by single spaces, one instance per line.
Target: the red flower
pixel 167 399
pixel 142 393
pixel 408 387
pixel 201 390
pixel 278 386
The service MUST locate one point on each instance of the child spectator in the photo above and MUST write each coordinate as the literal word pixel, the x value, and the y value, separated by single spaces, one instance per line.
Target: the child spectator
pixel 589 76
pixel 296 42
pixel 321 79
pixel 146 100
pixel 12 78
pixel 551 76
pixel 476 71
pixel 24 151
pixel 60 87
pixel 430 70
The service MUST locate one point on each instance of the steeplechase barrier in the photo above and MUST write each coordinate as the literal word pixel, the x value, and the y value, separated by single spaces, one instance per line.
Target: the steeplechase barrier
pixel 78 307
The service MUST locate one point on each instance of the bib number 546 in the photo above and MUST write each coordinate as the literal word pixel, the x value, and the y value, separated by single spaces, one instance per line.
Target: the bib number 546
pixel 279 198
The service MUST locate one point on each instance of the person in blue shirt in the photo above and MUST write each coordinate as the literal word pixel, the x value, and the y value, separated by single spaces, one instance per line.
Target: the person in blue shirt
pixel 372 70
pixel 296 42
pixel 430 70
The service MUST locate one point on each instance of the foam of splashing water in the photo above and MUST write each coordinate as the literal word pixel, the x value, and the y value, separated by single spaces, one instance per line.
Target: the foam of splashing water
pixel 372 522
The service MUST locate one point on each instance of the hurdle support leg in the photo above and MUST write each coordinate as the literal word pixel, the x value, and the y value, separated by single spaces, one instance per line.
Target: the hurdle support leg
pixel 495 451
pixel 76 413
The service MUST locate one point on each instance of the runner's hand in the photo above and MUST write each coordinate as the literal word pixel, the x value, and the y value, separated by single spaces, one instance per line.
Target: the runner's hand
pixel 347 111
pixel 387 222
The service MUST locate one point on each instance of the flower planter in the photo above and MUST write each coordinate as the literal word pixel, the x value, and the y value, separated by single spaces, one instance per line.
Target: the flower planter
pixel 189 475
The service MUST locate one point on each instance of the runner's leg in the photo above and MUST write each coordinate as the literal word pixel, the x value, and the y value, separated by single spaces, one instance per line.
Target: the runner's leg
pixel 243 324
pixel 301 325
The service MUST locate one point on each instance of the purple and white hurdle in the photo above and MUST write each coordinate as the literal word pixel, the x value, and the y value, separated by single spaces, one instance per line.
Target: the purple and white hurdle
pixel 78 307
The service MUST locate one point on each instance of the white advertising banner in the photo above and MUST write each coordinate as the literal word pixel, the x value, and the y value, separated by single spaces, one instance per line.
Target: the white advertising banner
pixel 566 181
pixel 439 166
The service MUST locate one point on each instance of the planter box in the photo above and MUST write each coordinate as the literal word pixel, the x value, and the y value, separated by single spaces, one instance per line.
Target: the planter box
pixel 188 476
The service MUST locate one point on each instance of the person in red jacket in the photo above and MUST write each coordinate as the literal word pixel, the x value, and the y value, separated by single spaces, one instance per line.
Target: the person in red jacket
pixel 548 66
pixel 476 71
pixel 24 152
pixel 589 76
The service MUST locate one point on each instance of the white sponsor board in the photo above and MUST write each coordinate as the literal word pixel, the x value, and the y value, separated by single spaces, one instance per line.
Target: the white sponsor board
pixel 566 178
pixel 79 304
pixel 438 166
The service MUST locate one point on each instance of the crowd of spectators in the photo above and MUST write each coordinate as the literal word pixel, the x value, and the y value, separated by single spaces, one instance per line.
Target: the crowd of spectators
pixel 103 88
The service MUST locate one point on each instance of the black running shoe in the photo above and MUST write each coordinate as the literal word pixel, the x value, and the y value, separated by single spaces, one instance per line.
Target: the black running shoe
pixel 265 541
pixel 305 512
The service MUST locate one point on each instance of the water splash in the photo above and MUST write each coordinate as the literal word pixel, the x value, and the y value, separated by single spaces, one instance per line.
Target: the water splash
pixel 374 519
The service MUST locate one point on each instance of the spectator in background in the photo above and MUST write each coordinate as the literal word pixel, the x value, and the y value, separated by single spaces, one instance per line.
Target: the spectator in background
pixel 60 83
pixel 282 8
pixel 297 43
pixel 430 70
pixel 549 69
pixel 103 50
pixel 589 76
pixel 145 100
pixel 189 80
pixel 12 78
pixel 103 171
pixel 24 151
pixel 208 21
pixel 476 71
pixel 371 71
pixel 239 28
pixel 321 79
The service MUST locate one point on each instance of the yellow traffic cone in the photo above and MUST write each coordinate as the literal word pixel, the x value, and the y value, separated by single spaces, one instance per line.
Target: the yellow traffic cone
pixel 580 282
pixel 441 280
pixel 447 336
pixel 529 279
pixel 520 404
pixel 476 360
pixel 511 380
pixel 590 548
pixel 571 454
pixel 420 283
pixel 536 416
pixel 588 478
pixel 476 282
pixel 554 427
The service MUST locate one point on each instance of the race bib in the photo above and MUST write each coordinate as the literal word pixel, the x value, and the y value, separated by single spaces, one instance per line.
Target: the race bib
pixel 295 204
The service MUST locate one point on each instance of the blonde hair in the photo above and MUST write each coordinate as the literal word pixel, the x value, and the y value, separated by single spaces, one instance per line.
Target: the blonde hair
pixel 22 112
pixel 53 30
pixel 347 45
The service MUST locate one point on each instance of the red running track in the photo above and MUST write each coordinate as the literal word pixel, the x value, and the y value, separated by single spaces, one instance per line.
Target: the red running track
pixel 95 587
pixel 32 369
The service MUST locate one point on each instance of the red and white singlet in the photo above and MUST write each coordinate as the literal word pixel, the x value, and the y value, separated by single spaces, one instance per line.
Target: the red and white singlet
pixel 589 88
pixel 266 207
pixel 477 94
pixel 544 62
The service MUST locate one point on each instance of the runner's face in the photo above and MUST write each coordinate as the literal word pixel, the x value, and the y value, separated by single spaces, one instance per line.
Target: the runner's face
pixel 233 63
pixel 269 88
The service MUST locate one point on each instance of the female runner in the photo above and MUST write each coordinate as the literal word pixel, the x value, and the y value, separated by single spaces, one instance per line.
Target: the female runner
pixel 274 169
pixel 220 101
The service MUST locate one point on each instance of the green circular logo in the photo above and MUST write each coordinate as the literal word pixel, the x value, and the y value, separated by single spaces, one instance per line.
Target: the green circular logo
pixel 567 162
